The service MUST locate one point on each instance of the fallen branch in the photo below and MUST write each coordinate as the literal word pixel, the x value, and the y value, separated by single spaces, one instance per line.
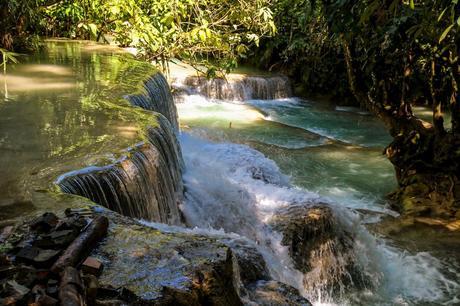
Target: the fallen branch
pixel 82 245
pixel 71 289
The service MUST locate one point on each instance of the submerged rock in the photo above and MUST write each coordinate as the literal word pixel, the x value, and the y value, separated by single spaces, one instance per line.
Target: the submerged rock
pixel 319 248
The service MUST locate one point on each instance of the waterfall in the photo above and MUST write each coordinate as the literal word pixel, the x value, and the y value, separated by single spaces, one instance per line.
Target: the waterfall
pixel 157 97
pixel 237 88
pixel 147 182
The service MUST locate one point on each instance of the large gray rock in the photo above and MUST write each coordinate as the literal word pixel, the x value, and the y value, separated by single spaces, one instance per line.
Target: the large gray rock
pixel 181 268
pixel 173 269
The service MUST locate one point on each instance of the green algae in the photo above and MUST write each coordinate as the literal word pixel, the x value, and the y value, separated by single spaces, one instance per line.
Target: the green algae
pixel 64 109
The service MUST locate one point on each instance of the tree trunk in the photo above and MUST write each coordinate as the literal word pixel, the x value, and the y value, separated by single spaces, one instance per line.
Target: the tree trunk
pixel 426 158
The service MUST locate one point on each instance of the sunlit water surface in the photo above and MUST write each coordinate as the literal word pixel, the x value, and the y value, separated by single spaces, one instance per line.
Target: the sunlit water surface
pixel 60 110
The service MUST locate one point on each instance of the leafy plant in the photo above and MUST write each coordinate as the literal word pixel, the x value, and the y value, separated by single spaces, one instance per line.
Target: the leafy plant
pixel 211 32
pixel 7 56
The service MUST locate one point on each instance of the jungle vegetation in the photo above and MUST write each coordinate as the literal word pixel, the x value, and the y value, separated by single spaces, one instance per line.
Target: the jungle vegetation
pixel 385 55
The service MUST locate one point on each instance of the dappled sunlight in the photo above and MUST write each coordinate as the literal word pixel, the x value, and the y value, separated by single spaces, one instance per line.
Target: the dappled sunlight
pixel 454 226
pixel 426 113
pixel 102 48
pixel 423 112
pixel 58 118
pixel 179 70
pixel 127 131
pixel 22 83
pixel 87 46
pixel 46 70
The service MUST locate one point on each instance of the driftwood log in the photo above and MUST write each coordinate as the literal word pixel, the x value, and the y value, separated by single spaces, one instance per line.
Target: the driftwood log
pixel 71 289
pixel 82 245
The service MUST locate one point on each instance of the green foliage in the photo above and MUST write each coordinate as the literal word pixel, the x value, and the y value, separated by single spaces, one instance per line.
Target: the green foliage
pixel 400 49
pixel 209 31
pixel 18 24
pixel 304 49
pixel 399 52
pixel 7 57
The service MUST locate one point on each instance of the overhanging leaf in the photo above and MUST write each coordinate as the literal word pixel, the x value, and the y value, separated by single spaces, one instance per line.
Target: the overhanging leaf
pixel 445 33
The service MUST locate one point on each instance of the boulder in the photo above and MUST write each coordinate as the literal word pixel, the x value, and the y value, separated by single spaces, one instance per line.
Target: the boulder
pixel 180 268
pixel 251 264
pixel 319 247
pixel 169 269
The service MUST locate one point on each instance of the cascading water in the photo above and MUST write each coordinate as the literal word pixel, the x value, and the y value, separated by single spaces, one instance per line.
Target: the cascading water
pixel 238 190
pixel 238 88
pixel 146 183
pixel 157 97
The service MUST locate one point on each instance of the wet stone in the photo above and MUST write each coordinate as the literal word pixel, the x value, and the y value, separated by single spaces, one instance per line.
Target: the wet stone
pixel 39 290
pixel 56 239
pixel 42 274
pixel 92 266
pixel 36 256
pixel 14 291
pixel 24 275
pixel 107 293
pixel 110 303
pixel 91 287
pixel 5 260
pixel 52 287
pixel 252 266
pixel 77 212
pixel 7 272
pixel 46 300
pixel 74 222
pixel 44 223
pixel 320 248
pixel 27 254
pixel 127 295
pixel 273 293
pixel 5 233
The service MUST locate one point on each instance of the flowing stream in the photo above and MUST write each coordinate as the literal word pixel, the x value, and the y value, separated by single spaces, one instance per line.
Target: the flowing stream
pixel 247 158
pixel 93 121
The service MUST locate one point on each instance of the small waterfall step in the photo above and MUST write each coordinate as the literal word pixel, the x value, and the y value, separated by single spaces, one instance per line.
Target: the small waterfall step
pixel 157 97
pixel 235 87
pixel 146 183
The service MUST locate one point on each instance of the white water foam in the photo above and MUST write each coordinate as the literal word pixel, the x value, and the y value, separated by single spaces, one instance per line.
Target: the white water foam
pixel 235 189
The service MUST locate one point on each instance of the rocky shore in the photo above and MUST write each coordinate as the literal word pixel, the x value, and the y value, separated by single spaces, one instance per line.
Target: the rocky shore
pixel 98 257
